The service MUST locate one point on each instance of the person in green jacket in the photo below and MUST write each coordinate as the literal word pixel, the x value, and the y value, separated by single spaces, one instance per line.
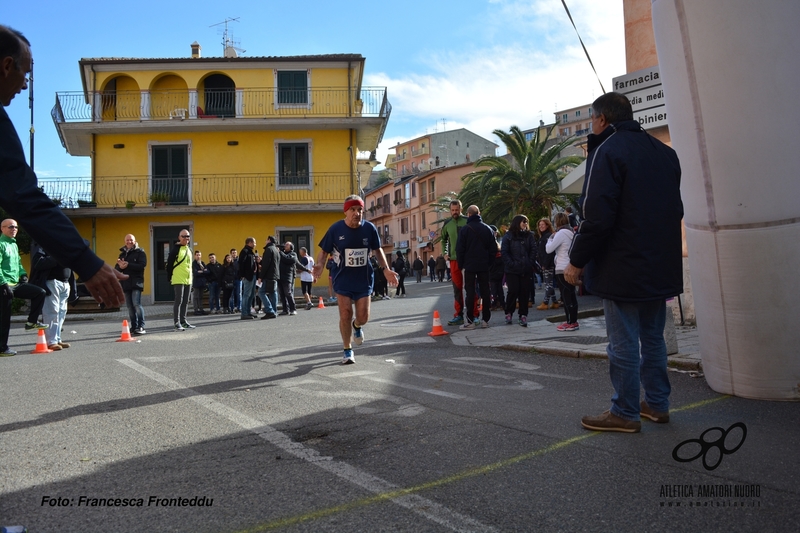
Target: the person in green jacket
pixel 179 270
pixel 450 231
pixel 14 284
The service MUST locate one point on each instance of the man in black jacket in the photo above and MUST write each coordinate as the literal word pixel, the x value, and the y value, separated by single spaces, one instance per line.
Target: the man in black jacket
pixel 289 267
pixel 270 274
pixel 634 267
pixel 248 270
pixel 132 261
pixel 476 250
pixel 20 195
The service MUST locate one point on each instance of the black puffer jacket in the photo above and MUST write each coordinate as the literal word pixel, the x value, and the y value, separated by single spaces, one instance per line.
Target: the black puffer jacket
pixel 247 263
pixel 518 253
pixel 629 240
pixel 476 247
pixel 137 261
pixel 546 261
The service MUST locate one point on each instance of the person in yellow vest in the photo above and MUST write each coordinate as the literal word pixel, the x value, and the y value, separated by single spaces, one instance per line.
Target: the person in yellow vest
pixel 179 270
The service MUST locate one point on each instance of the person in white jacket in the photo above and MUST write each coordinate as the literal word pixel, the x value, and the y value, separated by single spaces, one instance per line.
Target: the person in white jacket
pixel 560 242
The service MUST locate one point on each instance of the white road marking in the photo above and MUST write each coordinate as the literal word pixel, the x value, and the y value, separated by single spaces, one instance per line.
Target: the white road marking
pixel 465 361
pixel 422 506
pixel 420 389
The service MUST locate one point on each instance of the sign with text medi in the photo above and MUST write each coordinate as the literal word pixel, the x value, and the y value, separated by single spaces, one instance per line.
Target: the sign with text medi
pixel 643 88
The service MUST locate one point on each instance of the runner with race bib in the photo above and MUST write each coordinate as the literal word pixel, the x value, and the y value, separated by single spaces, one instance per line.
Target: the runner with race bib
pixel 349 242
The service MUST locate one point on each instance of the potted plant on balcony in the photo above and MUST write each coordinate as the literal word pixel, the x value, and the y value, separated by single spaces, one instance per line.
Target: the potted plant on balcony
pixel 129 204
pixel 159 198
pixel 86 203
pixel 397 201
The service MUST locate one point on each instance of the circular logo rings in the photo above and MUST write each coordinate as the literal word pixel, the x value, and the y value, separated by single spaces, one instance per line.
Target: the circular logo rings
pixel 706 446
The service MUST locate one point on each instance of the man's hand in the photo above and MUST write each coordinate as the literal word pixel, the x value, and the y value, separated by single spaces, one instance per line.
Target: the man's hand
pixel 105 287
pixel 392 277
pixel 573 275
pixel 7 292
pixel 317 270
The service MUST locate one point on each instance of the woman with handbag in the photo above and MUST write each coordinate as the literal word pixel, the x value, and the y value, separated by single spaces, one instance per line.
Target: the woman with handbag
pixel 400 266
pixel 559 243
pixel 230 271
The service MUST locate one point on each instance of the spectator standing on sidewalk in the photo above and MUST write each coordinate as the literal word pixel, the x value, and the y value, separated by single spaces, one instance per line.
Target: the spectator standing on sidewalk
pixel 496 276
pixel 419 266
pixel 179 271
pixel 21 196
pixel 199 283
pixel 14 284
pixel 247 272
pixel 477 249
pixel 441 266
pixel 214 283
pixel 559 243
pixel 230 271
pixel 132 261
pixel 307 277
pixel 400 266
pixel 58 282
pixel 235 299
pixel 289 267
pixel 450 231
pixel 547 264
pixel 270 275
pixel 432 268
pixel 518 250
pixel 633 267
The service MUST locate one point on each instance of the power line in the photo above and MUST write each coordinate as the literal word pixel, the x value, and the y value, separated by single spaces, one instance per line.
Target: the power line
pixel 584 47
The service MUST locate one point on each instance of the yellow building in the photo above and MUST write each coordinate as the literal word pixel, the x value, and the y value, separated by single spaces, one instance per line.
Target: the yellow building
pixel 228 147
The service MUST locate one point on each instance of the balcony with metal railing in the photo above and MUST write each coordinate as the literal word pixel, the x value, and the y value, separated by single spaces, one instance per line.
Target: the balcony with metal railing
pixel 109 106
pixel 78 115
pixel 207 190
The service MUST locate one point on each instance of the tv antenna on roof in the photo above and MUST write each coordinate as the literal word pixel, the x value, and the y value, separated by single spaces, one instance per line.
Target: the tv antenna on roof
pixel 229 48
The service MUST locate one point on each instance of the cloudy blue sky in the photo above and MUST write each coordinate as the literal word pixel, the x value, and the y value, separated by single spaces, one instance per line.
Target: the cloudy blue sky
pixel 477 64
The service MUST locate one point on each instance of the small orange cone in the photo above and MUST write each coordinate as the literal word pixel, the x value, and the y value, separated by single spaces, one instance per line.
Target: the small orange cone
pixel 437 326
pixel 41 343
pixel 321 305
pixel 126 333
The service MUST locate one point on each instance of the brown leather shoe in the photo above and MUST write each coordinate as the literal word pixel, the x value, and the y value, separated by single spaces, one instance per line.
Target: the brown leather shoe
pixel 54 347
pixel 608 421
pixel 542 306
pixel 656 416
pixel 64 344
pixel 555 305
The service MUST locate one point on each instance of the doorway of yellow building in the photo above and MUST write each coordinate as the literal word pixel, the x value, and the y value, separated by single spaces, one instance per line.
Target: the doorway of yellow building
pixel 163 238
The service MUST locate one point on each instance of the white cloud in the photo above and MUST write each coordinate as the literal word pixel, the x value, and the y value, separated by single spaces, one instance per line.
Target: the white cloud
pixel 531 66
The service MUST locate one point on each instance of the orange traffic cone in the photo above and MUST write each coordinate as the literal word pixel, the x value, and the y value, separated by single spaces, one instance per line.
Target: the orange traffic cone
pixel 41 343
pixel 321 305
pixel 126 333
pixel 437 326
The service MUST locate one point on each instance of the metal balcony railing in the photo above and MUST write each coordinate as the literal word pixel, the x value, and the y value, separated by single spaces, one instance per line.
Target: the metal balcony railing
pixel 106 106
pixel 198 190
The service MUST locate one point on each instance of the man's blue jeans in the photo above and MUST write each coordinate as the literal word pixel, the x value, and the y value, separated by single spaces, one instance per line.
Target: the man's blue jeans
pixel 213 295
pixel 133 300
pixel 248 291
pixel 236 296
pixel 269 296
pixel 627 324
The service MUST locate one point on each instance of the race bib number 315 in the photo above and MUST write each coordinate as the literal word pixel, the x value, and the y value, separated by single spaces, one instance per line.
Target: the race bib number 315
pixel 357 257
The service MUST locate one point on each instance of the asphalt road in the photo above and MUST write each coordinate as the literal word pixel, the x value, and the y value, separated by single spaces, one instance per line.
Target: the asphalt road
pixel 244 426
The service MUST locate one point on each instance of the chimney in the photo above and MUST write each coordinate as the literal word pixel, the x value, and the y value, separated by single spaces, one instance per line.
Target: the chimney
pixel 195 50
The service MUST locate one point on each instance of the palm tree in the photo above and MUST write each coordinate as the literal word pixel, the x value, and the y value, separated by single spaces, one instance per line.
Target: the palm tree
pixel 527 182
